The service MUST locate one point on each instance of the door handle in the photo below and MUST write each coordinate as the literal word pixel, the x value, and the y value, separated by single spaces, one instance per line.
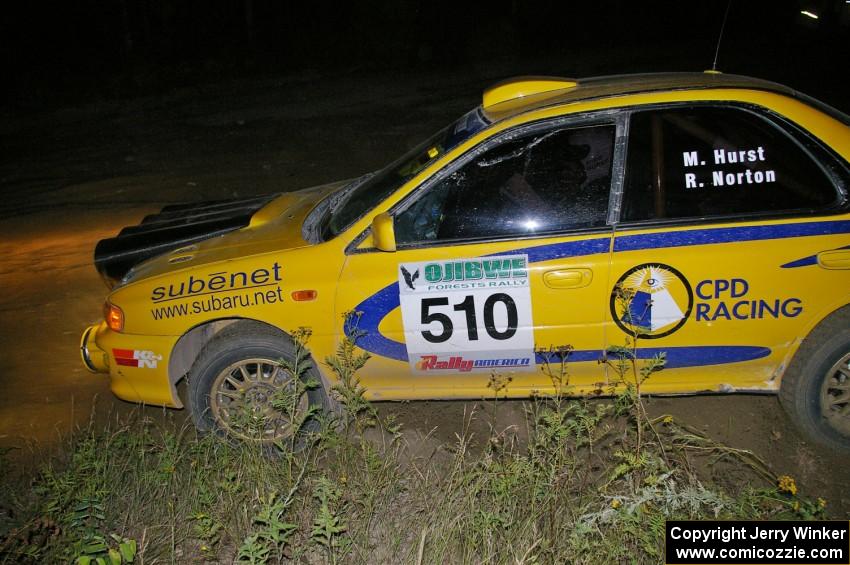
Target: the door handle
pixel 836 259
pixel 567 278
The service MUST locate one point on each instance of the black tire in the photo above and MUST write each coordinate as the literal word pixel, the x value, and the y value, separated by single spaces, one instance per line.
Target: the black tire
pixel 815 389
pixel 248 353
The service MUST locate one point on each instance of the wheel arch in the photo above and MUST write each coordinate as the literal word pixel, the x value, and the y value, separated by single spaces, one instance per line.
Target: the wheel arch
pixel 189 346
pixel 800 390
pixel 826 325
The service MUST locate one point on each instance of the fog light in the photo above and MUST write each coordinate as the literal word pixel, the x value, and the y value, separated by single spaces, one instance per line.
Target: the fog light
pixel 114 317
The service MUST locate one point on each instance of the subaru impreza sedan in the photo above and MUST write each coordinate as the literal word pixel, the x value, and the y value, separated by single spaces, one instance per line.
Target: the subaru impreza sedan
pixel 716 203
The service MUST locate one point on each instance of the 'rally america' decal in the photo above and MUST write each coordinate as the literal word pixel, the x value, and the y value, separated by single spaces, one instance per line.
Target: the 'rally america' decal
pixel 428 363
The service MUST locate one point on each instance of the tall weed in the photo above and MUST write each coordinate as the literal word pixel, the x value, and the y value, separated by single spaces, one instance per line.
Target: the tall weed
pixel 594 482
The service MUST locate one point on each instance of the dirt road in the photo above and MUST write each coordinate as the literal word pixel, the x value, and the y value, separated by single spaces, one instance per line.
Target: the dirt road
pixel 71 177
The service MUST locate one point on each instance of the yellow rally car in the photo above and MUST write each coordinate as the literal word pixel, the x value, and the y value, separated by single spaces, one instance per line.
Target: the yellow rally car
pixel 717 203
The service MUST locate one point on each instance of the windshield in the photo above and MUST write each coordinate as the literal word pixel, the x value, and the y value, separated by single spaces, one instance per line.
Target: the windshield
pixel 363 197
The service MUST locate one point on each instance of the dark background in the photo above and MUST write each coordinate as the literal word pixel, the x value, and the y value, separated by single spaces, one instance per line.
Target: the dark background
pixel 113 108
pixel 60 53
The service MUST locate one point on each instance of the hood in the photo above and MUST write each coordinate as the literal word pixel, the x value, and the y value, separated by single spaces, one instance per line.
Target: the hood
pixel 187 235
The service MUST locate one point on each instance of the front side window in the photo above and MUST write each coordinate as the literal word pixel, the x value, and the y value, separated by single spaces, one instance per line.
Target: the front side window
pixel 541 182
pixel 717 161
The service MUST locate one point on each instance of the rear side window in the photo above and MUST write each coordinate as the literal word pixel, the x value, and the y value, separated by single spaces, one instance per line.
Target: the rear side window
pixel 704 161
pixel 539 183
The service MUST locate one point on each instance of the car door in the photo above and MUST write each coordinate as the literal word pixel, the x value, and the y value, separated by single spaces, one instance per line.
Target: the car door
pixel 724 210
pixel 502 253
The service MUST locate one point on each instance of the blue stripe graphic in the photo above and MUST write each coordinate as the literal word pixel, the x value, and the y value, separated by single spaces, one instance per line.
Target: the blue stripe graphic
pixel 677 357
pixel 375 308
pixel 700 356
pixel 542 253
pixel 806 261
pixel 728 235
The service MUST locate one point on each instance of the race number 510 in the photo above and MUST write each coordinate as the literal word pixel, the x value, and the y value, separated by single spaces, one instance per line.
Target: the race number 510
pixel 467 307
pixel 477 311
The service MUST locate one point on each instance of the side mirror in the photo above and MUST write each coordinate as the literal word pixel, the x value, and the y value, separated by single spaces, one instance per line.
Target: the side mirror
pixel 383 232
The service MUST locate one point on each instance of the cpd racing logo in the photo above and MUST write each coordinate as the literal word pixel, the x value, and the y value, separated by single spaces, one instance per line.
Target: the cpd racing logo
pixel 651 300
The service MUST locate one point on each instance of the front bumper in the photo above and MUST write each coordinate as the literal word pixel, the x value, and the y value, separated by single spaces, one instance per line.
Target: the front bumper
pixel 137 364
pixel 94 358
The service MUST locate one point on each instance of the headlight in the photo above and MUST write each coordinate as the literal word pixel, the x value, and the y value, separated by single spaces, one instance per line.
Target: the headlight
pixel 114 316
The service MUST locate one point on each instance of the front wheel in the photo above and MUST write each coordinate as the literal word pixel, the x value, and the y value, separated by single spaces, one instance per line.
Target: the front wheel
pixel 239 387
pixel 816 390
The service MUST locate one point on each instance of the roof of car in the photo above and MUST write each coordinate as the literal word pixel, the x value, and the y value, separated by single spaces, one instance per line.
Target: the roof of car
pixel 522 94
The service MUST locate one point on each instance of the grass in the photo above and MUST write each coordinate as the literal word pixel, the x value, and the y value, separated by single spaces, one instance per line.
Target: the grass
pixel 594 482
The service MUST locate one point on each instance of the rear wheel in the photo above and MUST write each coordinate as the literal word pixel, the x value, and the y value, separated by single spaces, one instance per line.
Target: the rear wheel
pixel 238 387
pixel 816 389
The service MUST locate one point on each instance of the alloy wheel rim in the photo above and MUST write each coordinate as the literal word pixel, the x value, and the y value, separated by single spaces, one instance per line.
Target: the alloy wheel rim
pixel 835 396
pixel 241 400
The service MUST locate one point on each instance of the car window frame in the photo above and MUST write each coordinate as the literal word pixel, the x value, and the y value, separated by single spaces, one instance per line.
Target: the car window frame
pixel 615 117
pixel 815 149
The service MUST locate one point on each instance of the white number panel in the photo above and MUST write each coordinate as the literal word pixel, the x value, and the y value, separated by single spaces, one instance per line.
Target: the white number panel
pixel 468 315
